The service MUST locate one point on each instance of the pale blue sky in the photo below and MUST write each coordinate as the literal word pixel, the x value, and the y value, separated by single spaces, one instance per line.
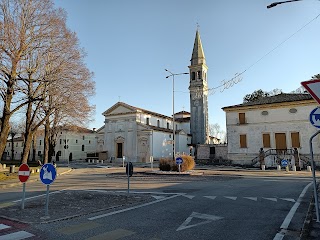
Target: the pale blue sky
pixel 129 43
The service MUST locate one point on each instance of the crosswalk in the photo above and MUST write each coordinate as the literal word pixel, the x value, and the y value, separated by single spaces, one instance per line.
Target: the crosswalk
pixel 8 232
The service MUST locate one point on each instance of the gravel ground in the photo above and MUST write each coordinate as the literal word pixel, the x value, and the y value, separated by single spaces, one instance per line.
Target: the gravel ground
pixel 69 204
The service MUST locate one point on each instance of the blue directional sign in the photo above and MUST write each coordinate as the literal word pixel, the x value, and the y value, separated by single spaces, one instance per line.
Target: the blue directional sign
pixel 284 162
pixel 315 117
pixel 179 160
pixel 48 174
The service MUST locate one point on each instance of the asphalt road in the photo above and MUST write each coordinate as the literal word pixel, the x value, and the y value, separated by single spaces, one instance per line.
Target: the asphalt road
pixel 185 207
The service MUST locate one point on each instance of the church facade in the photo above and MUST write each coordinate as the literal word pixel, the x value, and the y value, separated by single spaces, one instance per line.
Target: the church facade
pixel 137 134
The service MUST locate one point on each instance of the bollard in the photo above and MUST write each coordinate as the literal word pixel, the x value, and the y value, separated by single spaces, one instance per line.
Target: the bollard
pixel 12 168
pixel 4 166
pixel 89 160
pixel 32 170
pixel 309 168
pixel 263 167
pixel 38 170
pixel 287 168
pixel 101 161
pixel 278 167
pixel 294 168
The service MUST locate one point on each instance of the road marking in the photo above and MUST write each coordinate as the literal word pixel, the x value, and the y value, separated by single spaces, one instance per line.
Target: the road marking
pixel 252 198
pixel 232 198
pixel 3 226
pixel 131 208
pixel 78 228
pixel 288 199
pixel 284 226
pixel 188 196
pixel 16 236
pixel 211 197
pixel 208 218
pixel 157 197
pixel 270 199
pixel 112 235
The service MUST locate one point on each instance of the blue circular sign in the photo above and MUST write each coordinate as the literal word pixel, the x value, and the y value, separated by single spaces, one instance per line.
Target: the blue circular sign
pixel 315 117
pixel 48 174
pixel 179 160
pixel 284 162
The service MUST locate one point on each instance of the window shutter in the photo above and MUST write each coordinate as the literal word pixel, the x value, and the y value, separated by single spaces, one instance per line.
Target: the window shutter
pixel 295 139
pixel 266 140
pixel 243 141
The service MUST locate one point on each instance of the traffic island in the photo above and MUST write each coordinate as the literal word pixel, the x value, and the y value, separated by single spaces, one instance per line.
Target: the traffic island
pixel 68 204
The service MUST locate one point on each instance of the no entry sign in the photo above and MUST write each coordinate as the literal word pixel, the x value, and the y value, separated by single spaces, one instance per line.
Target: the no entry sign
pixel 24 172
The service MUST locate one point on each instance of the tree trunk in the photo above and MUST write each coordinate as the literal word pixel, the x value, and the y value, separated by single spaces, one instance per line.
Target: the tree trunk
pixel 46 142
pixel 27 146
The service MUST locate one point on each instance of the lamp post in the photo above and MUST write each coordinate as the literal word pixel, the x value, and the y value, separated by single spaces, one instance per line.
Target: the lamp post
pixel 173 122
pixel 277 3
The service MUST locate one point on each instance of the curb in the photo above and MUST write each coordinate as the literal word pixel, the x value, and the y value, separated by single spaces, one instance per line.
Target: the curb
pixel 307 222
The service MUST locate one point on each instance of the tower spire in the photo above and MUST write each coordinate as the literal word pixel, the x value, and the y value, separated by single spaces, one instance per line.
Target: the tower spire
pixel 197 53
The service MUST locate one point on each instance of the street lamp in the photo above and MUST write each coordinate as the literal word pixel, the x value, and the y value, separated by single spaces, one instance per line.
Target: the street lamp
pixel 173 127
pixel 277 3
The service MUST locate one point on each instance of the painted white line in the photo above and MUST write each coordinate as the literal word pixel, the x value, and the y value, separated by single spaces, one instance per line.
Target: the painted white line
pixel 232 198
pixel 252 198
pixel 16 236
pixel 270 199
pixel 3 226
pixel 41 195
pixel 211 197
pixel 208 218
pixel 133 192
pixel 284 226
pixel 188 196
pixel 289 199
pixel 157 197
pixel 132 208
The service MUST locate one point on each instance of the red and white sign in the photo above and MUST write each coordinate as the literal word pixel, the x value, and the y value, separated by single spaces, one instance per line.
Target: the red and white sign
pixel 313 87
pixel 24 172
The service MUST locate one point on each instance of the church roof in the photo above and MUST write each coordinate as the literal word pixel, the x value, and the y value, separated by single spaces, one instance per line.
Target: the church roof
pixel 280 98
pixel 197 53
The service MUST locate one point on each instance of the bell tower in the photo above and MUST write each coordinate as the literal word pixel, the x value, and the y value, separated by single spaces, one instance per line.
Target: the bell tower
pixel 198 88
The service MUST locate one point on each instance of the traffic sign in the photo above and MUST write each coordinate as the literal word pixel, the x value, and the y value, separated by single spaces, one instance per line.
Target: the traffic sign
pixel 48 174
pixel 315 117
pixel 284 162
pixel 313 87
pixel 24 172
pixel 179 160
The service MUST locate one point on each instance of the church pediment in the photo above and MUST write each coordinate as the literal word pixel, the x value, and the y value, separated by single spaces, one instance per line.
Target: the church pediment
pixel 119 109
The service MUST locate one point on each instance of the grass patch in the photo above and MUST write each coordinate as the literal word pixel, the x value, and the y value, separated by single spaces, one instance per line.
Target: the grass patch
pixel 4 176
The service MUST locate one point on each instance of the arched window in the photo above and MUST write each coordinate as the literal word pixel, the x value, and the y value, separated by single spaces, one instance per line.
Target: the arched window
pixel 158 123
pixel 199 75
pixel 193 76
pixel 82 148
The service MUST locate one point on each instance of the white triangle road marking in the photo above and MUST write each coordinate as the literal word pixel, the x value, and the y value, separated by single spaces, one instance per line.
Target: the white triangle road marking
pixel 188 196
pixel 270 199
pixel 3 226
pixel 157 197
pixel 232 198
pixel 211 197
pixel 289 199
pixel 252 198
pixel 208 218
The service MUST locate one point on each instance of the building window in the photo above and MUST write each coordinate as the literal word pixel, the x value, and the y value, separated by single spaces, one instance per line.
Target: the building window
pixel 199 75
pixel 82 137
pixel 60 141
pixel 16 144
pixel 169 135
pixel 22 144
pixel 39 153
pixel 148 121
pixel 295 139
pixel 89 141
pixel 193 76
pixel 76 140
pixel 82 148
pixel 168 125
pixel 242 118
pixel 40 142
pixel 266 140
pixel 158 123
pixel 243 141
pixel 9 144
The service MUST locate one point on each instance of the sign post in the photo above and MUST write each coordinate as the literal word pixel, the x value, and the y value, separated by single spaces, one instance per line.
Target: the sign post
pixel 179 161
pixel 48 174
pixel 24 173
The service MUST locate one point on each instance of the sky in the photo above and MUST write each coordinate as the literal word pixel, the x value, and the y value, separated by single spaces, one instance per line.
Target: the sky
pixel 129 43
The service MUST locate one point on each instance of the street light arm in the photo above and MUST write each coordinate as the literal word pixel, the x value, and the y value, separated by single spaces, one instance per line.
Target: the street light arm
pixel 277 3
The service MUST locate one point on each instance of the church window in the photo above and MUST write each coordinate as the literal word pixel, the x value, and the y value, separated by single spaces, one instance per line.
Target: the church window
pixel 9 144
pixel 76 140
pixel 148 121
pixel 266 140
pixel 60 141
pixel 82 148
pixel 158 123
pixel 40 142
pixel 89 142
pixel 168 125
pixel 82 137
pixel 199 75
pixel 242 118
pixel 193 76
pixel 243 141
pixel 295 139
